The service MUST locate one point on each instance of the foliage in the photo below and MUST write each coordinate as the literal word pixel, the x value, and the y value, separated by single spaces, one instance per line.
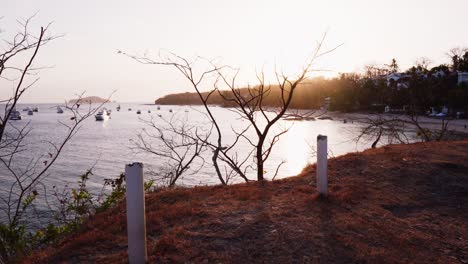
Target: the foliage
pixel 71 208
pixel 424 88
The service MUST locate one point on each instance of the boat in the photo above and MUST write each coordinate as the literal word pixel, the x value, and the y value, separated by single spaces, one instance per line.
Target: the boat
pixel 102 115
pixel 30 112
pixel 159 108
pixel 138 111
pixel 149 111
pixel 15 115
pixel 59 110
pixel 129 109
pixel 118 108
pixel 170 110
pixel 35 109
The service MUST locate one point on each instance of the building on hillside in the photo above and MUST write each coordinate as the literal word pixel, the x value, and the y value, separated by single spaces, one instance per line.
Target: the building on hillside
pixel 439 74
pixel 326 103
pixel 398 80
pixel 462 77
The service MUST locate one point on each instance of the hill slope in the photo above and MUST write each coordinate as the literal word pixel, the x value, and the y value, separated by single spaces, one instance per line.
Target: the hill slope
pixel 399 203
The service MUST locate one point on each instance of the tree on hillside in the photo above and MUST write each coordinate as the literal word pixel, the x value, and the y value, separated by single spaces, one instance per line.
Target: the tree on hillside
pixel 423 64
pixel 222 151
pixel 393 66
pixel 463 63
pixel 22 177
pixel 248 103
pixel 177 143
pixel 456 55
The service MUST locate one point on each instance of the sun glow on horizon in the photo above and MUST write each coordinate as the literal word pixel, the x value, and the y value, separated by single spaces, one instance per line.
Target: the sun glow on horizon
pixel 245 34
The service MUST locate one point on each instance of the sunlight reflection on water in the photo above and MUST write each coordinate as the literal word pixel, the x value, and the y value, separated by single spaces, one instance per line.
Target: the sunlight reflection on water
pixel 106 145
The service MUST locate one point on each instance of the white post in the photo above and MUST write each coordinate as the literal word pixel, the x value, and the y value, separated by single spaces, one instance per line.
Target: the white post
pixel 322 181
pixel 136 222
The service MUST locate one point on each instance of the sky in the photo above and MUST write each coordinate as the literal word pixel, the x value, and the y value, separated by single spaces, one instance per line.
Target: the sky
pixel 247 34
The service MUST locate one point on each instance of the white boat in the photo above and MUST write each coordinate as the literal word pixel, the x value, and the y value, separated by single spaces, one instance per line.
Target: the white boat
pixel 15 115
pixel 102 115
pixel 138 111
pixel 59 110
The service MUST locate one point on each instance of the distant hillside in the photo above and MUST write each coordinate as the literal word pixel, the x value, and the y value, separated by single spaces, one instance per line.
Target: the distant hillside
pixel 179 99
pixel 89 100
pixel 308 95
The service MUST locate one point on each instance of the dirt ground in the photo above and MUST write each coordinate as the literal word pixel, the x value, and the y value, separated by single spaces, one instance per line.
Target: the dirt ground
pixel 395 204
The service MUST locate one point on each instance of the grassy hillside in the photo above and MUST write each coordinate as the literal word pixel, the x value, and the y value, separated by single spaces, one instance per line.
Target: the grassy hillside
pixel 399 203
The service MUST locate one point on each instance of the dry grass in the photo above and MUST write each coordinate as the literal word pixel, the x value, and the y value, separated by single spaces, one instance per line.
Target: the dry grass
pixel 400 203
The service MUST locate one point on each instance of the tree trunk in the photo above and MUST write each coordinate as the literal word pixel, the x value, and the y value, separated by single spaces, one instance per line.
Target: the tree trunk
pixel 215 164
pixel 377 140
pixel 259 162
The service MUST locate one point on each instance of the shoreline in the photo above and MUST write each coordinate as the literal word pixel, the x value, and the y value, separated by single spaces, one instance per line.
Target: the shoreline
pixel 457 125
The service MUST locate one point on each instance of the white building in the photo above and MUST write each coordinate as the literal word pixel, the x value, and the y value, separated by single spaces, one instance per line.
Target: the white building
pixel 400 79
pixel 462 77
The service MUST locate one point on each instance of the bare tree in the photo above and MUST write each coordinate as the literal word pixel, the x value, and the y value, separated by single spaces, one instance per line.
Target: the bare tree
pixel 22 43
pixel 23 177
pixel 249 103
pixel 221 149
pixel 374 71
pixel 376 128
pixel 176 142
pixel 455 54
pixel 423 63
pixel 399 129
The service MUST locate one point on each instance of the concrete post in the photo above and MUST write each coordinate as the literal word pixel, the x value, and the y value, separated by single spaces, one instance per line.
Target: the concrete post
pixel 322 181
pixel 136 222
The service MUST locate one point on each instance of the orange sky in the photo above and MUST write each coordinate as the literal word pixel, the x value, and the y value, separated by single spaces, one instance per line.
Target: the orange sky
pixel 246 34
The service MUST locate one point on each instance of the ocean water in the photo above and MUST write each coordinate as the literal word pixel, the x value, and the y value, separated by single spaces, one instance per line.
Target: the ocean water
pixel 107 146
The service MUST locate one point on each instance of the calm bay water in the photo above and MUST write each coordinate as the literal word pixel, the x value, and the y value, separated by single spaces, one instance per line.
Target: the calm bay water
pixel 106 146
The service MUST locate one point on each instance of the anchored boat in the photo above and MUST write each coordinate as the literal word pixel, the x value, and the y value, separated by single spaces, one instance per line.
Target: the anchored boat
pixel 15 115
pixel 102 115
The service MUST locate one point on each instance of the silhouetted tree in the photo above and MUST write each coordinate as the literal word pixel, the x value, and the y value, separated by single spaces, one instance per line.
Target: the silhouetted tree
pixel 250 103
pixel 22 181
